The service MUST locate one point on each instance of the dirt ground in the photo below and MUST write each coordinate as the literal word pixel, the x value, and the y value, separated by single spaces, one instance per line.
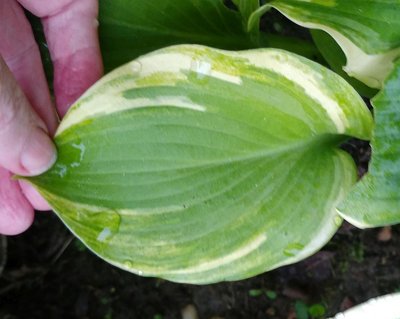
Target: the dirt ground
pixel 49 274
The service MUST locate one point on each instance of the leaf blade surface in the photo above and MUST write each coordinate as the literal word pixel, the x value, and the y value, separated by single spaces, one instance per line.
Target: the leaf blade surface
pixel 200 165
pixel 130 28
pixel 367 31
pixel 375 201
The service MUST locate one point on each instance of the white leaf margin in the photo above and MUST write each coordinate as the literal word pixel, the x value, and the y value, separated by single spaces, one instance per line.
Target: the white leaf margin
pixel 371 69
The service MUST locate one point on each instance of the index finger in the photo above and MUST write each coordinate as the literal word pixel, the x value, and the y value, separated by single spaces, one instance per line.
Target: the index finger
pixel 21 54
pixel 70 27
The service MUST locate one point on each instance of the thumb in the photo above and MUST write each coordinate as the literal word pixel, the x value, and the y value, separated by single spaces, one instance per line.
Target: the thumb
pixel 25 147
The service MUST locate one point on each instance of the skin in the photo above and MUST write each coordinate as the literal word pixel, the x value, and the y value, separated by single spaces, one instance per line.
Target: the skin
pixel 28 118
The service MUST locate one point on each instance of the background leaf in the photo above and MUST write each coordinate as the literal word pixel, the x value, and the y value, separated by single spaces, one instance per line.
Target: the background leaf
pixel 246 8
pixel 124 36
pixel 336 59
pixel 368 32
pixel 130 28
pixel 375 201
pixel 199 165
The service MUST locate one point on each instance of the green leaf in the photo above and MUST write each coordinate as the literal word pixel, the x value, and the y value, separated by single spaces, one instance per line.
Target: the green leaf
pixel 271 294
pixel 254 19
pixel 301 310
pixel 384 307
pixel 246 8
pixel 200 165
pixel 375 201
pixel 336 59
pixel 299 46
pixel 130 28
pixel 317 310
pixel 255 292
pixel 125 33
pixel 368 33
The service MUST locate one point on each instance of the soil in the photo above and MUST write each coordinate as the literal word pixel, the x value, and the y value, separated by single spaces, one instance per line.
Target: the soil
pixel 49 274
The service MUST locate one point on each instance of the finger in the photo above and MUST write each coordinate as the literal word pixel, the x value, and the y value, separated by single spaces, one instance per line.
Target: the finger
pixel 73 44
pixel 33 196
pixel 20 51
pixel 71 33
pixel 15 211
pixel 25 147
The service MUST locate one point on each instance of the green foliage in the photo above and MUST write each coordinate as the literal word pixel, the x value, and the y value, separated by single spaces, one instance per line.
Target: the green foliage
pixel 369 34
pixel 129 28
pixel 126 31
pixel 246 9
pixel 301 310
pixel 259 292
pixel 375 201
pixel 255 292
pixel 374 28
pixel 271 294
pixel 200 165
pixel 336 59
pixel 317 310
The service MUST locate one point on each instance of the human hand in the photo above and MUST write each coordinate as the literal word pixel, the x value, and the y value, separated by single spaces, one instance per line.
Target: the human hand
pixel 27 117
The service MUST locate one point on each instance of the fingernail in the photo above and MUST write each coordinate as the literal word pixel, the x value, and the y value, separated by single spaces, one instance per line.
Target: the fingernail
pixel 39 153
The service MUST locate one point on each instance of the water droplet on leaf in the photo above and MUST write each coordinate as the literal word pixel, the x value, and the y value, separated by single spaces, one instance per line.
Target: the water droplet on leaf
pixel 136 67
pixel 128 264
pixel 104 234
pixel 105 223
pixel 338 221
pixel 60 170
pixel 201 68
pixel 292 249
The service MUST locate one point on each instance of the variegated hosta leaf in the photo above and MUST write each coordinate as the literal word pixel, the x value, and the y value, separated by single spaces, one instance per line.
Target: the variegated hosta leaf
pixel 336 59
pixel 367 31
pixel 384 307
pixel 375 201
pixel 199 165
